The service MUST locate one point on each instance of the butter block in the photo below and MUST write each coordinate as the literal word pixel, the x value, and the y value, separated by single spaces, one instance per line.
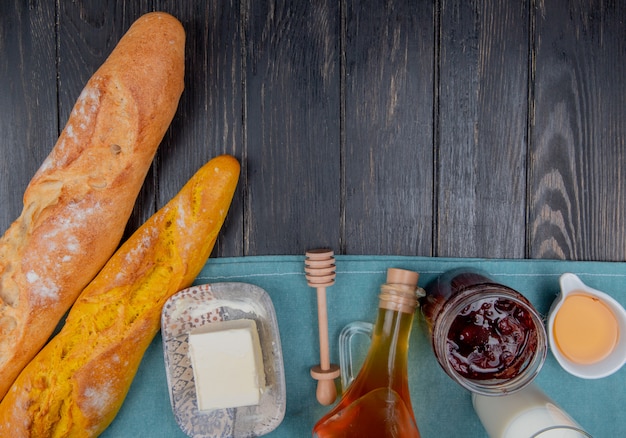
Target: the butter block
pixel 227 364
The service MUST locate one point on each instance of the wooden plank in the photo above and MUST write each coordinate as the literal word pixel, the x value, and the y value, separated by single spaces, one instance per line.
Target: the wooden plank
pixel 88 32
pixel 368 127
pixel 209 121
pixel 483 94
pixel 578 189
pixel 388 127
pixel 28 116
pixel 292 126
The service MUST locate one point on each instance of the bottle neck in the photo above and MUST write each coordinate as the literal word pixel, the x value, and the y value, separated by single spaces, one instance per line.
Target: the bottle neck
pixel 390 339
pixel 399 297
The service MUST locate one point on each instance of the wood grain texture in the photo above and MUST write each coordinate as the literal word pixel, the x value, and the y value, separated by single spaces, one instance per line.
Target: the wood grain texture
pixel 292 118
pixel 443 128
pixel 210 117
pixel 578 184
pixel 28 107
pixel 388 127
pixel 483 89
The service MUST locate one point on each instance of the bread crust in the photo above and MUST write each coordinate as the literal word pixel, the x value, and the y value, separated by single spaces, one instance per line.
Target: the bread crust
pixel 78 203
pixel 77 383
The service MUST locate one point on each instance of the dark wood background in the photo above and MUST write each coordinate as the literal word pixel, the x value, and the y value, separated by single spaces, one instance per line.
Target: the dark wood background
pixel 448 128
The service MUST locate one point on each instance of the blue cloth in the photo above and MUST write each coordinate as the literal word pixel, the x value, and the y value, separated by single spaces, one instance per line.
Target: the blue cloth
pixel 442 408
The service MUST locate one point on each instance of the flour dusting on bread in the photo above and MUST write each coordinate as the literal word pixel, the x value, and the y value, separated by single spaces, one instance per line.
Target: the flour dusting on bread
pixel 44 289
pixel 77 383
pixel 77 204
pixel 97 398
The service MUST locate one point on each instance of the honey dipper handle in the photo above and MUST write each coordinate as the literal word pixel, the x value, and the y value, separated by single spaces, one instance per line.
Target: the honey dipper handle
pixel 322 322
pixel 320 273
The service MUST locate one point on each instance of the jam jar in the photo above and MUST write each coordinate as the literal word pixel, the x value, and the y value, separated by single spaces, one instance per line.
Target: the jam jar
pixel 486 336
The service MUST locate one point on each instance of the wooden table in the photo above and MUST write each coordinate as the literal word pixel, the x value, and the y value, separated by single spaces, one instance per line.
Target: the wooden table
pixel 449 128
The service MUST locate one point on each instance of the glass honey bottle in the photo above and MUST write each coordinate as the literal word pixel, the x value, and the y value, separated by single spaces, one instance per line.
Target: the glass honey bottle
pixel 378 403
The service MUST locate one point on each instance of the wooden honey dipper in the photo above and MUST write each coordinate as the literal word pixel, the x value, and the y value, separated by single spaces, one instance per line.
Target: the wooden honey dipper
pixel 319 267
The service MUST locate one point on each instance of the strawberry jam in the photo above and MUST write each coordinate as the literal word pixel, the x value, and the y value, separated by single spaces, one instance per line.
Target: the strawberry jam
pixel 486 336
pixel 491 338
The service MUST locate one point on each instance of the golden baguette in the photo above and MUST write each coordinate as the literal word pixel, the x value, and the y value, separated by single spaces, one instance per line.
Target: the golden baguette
pixel 78 203
pixel 75 386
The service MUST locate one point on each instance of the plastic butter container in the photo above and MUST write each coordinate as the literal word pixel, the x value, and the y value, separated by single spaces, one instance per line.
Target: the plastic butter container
pixel 223 360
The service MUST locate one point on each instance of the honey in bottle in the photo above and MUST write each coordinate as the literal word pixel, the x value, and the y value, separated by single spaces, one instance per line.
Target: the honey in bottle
pixel 378 403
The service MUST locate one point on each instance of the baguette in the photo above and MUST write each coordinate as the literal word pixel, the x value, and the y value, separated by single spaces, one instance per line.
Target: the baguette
pixel 77 383
pixel 78 203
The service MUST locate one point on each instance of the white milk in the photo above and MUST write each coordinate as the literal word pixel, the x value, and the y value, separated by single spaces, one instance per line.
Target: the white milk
pixel 524 414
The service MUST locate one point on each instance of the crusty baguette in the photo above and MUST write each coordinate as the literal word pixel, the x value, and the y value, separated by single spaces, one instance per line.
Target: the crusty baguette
pixel 75 386
pixel 78 203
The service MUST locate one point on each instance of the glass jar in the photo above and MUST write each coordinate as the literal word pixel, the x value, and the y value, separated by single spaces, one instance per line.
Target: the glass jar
pixel 486 336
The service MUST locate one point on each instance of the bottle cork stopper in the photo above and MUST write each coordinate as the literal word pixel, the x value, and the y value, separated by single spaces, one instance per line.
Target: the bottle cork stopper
pixel 402 276
pixel 400 292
